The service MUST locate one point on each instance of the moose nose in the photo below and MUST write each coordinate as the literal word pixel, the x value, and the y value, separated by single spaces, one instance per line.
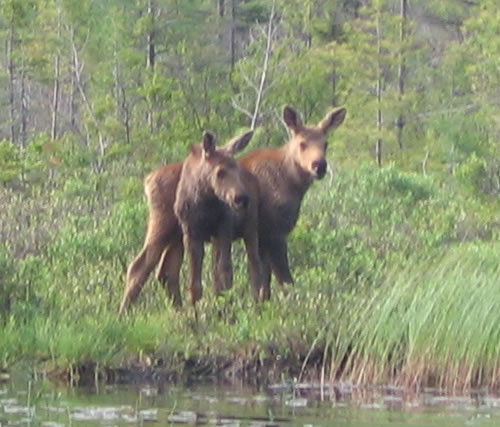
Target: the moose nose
pixel 241 200
pixel 319 166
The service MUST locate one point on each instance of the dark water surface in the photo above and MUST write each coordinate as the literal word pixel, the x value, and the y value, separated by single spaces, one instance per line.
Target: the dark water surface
pixel 41 403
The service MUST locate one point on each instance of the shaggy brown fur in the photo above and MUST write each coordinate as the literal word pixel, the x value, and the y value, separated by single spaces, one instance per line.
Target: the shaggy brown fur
pixel 211 200
pixel 164 241
pixel 284 175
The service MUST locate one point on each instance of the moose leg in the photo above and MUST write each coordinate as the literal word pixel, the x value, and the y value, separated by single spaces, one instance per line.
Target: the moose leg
pixel 194 248
pixel 139 271
pixel 265 290
pixel 278 253
pixel 169 271
pixel 254 265
pixel 222 265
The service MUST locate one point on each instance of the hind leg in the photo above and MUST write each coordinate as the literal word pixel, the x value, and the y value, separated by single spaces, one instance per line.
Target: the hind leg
pixel 265 289
pixel 169 271
pixel 254 265
pixel 278 254
pixel 139 271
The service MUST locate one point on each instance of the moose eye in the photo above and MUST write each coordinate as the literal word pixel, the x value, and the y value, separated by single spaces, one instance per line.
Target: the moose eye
pixel 303 146
pixel 221 173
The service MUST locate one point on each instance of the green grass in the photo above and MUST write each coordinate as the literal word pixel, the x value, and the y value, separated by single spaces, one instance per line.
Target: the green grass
pixel 434 321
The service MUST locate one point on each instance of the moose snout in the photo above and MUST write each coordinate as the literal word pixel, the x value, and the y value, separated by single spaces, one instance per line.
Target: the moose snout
pixel 241 201
pixel 319 167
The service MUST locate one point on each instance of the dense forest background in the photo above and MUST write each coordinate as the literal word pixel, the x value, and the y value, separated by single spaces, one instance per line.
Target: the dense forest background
pixel 96 94
pixel 89 83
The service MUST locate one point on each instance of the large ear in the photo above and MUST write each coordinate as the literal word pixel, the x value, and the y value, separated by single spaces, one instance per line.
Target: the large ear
pixel 292 119
pixel 332 120
pixel 238 143
pixel 208 144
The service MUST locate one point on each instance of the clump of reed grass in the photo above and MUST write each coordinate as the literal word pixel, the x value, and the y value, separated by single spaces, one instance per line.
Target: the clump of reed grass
pixel 434 322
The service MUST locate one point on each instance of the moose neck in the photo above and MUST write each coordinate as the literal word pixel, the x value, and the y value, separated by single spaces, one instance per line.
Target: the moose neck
pixel 300 180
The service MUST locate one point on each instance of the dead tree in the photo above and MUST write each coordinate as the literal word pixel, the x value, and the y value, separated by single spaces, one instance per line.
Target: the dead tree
pixel 260 84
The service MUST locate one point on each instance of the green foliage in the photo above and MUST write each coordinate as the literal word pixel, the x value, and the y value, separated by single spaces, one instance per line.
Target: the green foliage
pixel 9 159
pixel 254 11
pixel 363 246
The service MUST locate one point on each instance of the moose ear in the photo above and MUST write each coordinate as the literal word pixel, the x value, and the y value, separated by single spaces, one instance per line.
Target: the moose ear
pixel 332 120
pixel 238 143
pixel 208 144
pixel 292 119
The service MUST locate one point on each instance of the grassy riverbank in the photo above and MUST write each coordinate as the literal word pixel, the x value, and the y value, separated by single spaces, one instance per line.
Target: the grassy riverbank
pixel 396 281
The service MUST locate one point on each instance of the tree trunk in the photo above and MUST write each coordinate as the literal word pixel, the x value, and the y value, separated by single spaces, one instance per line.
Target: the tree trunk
pixel 151 57
pixel 126 119
pixel 233 33
pixel 334 86
pixel 55 98
pixel 78 70
pixel 11 71
pixel 116 84
pixel 378 147
pixel 73 89
pixel 24 107
pixel 221 11
pixel 401 70
pixel 309 22
pixel 55 92
pixel 265 66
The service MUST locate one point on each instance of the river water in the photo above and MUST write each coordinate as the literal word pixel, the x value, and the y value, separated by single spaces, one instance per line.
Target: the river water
pixel 42 403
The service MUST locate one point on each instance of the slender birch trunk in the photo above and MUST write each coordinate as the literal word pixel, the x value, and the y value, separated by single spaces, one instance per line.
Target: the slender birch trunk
pixel 265 66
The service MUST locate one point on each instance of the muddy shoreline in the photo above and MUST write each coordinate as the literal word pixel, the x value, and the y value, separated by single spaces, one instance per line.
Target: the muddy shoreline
pixel 254 372
pixel 195 369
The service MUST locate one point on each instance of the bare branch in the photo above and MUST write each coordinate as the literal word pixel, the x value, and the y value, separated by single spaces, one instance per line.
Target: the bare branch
pixel 238 107
pixel 250 82
pixel 463 108
pixel 279 117
pixel 78 68
pixel 264 69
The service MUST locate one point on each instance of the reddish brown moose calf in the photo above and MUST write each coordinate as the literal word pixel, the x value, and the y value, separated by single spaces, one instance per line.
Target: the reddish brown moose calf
pixel 284 175
pixel 164 241
pixel 163 235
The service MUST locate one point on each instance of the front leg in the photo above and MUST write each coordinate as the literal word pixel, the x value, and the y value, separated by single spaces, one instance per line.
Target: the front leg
pixel 169 270
pixel 194 248
pixel 265 289
pixel 222 264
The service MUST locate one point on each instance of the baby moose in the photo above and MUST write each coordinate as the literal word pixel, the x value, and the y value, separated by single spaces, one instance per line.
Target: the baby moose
pixel 216 201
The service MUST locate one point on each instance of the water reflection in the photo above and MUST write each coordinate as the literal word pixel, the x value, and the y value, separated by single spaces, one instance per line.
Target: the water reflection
pixel 27 402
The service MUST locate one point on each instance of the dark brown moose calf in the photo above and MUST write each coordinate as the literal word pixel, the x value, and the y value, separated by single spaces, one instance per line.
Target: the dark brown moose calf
pixel 284 175
pixel 164 242
pixel 212 200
